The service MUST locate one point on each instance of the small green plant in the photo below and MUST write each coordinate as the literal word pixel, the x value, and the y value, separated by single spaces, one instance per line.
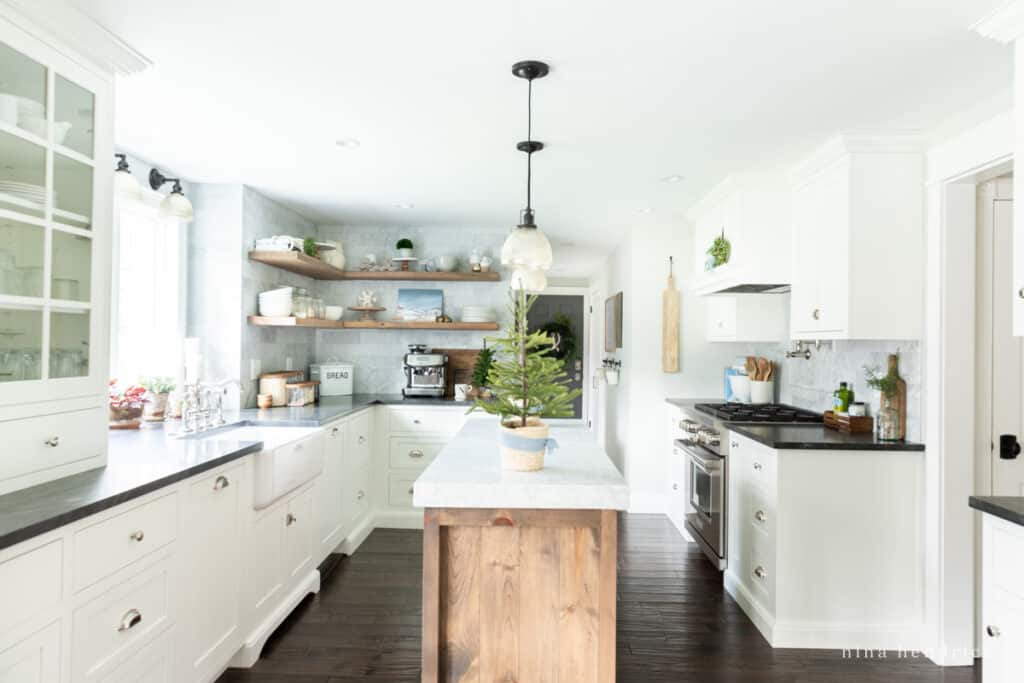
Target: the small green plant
pixel 888 384
pixel 158 385
pixel 404 244
pixel 309 246
pixel 720 250
pixel 525 379
pixel 483 367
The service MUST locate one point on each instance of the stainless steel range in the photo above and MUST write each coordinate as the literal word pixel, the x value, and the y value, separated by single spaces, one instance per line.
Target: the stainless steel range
pixel 705 445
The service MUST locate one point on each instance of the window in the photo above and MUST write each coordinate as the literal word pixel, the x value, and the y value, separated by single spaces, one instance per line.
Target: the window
pixel 148 320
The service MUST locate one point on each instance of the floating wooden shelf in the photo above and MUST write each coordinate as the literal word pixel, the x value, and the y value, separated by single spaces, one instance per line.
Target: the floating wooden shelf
pixel 366 324
pixel 301 264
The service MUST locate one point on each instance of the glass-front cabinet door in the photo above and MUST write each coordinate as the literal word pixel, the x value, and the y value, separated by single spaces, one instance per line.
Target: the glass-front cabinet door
pixel 54 231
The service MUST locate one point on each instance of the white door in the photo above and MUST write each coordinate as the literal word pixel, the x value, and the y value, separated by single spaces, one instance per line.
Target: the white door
pixel 1004 368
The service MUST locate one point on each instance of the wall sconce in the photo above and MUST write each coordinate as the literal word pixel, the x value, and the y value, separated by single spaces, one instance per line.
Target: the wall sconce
pixel 124 182
pixel 176 204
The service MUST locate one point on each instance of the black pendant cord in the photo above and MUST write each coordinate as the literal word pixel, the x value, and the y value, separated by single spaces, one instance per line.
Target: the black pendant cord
pixel 529 139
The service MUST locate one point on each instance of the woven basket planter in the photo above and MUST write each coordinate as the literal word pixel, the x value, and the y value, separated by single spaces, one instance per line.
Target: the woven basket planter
pixel 523 448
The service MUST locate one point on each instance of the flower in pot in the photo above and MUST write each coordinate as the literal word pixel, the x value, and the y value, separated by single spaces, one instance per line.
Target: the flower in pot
pixel 125 405
pixel 157 391
pixel 404 247
pixel 527 383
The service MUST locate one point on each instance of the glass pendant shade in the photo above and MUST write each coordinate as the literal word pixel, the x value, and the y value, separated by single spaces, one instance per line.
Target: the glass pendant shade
pixel 527 248
pixel 529 279
pixel 126 185
pixel 176 205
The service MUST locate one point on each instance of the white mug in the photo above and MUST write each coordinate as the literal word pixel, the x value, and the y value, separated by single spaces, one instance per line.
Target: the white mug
pixel 460 391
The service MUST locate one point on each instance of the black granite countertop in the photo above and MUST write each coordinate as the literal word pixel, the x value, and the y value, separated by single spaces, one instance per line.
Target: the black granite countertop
pixel 144 460
pixel 817 437
pixel 1010 508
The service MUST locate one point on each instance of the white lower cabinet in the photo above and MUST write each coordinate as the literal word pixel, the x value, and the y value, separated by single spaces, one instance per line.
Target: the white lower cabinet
pixel 330 519
pixel 213 562
pixel 36 659
pixel 299 534
pixel 1002 601
pixel 154 663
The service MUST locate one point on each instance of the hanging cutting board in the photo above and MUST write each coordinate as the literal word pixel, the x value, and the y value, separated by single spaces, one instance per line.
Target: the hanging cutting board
pixel 670 324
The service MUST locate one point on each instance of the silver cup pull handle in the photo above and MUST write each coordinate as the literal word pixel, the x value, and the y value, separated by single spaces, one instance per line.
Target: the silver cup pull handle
pixel 130 620
pixel 221 482
pixel 290 519
pixel 760 516
pixel 415 453
pixel 760 572
pixel 53 441
pixel 993 631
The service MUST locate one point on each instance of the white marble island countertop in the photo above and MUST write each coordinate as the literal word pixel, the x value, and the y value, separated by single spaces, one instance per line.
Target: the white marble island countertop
pixel 578 475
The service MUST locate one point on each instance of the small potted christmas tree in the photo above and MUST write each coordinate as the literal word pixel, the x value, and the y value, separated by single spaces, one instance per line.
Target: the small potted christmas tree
pixel 527 383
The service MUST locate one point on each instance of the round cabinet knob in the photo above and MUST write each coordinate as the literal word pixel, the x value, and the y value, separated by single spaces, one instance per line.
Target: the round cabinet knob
pixel 53 441
pixel 416 421
pixel 993 631
pixel 360 495
pixel 290 519
pixel 130 620
pixel 675 487
pixel 760 516
pixel 137 536
pixel 816 314
pixel 362 439
pixel 410 490
pixel 721 324
pixel 221 482
pixel 758 466
pixel 1020 292
pixel 415 453
pixel 734 444
pixel 334 431
pixel 760 572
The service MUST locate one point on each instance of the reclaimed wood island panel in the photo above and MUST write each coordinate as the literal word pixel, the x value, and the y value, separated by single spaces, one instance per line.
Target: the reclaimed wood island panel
pixel 519 569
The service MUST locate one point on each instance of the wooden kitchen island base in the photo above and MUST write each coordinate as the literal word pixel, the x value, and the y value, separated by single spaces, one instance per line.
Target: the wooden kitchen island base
pixel 519 595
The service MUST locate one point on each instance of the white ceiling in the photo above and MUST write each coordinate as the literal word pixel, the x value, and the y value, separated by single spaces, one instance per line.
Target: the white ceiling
pixel 258 92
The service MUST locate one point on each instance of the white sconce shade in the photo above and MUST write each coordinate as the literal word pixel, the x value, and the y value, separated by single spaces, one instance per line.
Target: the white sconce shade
pixel 176 205
pixel 126 185
pixel 529 279
pixel 527 248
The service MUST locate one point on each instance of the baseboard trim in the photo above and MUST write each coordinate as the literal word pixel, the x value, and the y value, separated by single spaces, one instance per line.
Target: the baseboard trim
pixel 762 618
pixel 250 651
pixel 356 537
pixel 398 519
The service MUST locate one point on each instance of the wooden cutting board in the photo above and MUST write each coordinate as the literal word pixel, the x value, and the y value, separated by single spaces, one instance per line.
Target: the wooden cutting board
pixel 460 368
pixel 670 324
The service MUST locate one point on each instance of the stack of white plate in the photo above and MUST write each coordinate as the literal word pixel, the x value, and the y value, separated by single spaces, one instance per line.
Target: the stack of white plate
pixel 477 314
pixel 27 191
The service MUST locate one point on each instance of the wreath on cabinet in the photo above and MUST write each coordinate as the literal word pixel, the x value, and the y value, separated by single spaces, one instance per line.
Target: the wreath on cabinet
pixel 720 250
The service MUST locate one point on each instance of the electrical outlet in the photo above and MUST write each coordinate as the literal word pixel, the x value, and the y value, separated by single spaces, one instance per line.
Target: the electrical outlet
pixel 288 365
pixel 255 368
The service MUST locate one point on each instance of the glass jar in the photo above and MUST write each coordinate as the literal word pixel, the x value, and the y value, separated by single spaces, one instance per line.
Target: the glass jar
pixel 317 308
pixel 296 396
pixel 300 303
pixel 888 423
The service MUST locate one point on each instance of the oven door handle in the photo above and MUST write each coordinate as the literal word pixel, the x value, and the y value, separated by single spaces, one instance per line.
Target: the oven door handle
pixel 706 465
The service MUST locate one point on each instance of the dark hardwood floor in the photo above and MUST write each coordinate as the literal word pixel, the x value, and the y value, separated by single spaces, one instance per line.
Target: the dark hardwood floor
pixel 675 624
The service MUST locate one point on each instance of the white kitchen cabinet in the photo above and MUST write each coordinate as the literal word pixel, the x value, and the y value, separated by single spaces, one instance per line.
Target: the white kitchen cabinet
pixel 752 212
pixel 56 197
pixel 1002 600
pixel 858 240
pixel 329 493
pixel 826 547
pixel 35 659
pixel 677 491
pixel 299 535
pixel 747 317
pixel 212 535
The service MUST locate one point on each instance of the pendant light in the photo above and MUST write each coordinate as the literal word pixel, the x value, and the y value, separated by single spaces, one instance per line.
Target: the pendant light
pixel 527 248
pixel 176 204
pixel 125 184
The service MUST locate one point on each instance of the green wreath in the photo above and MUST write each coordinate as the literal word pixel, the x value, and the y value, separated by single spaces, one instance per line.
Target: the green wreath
pixel 560 330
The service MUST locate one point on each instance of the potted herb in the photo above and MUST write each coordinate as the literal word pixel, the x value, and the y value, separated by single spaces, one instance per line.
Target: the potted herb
pixel 125 405
pixel 404 247
pixel 527 384
pixel 309 247
pixel 481 369
pixel 719 251
pixel 157 391
pixel 892 404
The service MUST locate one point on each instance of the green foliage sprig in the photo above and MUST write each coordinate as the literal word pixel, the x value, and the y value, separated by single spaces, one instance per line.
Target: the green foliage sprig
pixel 525 379
pixel 483 367
pixel 720 249
pixel 888 384
pixel 309 247
pixel 158 385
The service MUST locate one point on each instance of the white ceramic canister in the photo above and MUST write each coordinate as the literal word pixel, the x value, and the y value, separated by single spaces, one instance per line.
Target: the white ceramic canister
pixel 276 384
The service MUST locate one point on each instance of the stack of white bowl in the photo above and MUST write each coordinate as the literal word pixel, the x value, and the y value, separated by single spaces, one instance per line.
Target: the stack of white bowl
pixel 276 303
pixel 477 314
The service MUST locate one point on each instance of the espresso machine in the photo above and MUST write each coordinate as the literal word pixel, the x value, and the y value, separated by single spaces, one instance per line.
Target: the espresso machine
pixel 424 372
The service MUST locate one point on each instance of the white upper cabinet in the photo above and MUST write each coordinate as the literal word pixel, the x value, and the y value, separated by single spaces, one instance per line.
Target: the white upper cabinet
pixel 858 240
pixel 752 213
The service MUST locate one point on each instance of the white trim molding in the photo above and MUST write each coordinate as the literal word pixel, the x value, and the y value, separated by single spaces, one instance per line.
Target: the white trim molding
pixel 64 24
pixel 1004 24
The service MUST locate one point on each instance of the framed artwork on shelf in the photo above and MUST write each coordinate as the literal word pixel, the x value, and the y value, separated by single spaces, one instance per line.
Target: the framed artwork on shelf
pixel 613 322
pixel 420 305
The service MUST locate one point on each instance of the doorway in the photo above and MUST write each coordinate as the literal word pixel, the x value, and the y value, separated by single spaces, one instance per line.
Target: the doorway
pixel 563 317
pixel 999 404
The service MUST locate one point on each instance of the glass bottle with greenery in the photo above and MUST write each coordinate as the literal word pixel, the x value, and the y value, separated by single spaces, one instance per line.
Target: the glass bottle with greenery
pixel 892 389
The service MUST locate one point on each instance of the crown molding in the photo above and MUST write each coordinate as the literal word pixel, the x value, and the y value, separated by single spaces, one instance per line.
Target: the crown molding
pixel 856 142
pixel 1005 23
pixel 66 25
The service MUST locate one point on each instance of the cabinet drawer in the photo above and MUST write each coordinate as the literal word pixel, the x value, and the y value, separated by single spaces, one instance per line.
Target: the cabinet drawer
pixel 107 630
pixel 357 496
pixel 750 461
pixel 152 664
pixel 440 420
pixel 107 546
pixel 40 443
pixel 35 659
pixel 756 509
pixel 400 489
pixel 761 567
pixel 30 583
pixel 410 452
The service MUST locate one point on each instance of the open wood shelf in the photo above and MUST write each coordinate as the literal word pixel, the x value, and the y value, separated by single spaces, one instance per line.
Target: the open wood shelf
pixel 301 264
pixel 289 321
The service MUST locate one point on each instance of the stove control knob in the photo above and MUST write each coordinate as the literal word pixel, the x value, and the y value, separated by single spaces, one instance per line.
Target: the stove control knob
pixel 708 438
pixel 689 426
